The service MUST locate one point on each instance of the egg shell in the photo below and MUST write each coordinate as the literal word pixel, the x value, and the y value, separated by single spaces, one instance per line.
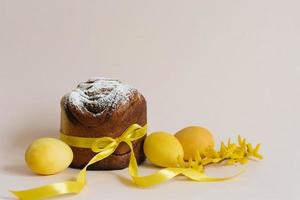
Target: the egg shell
pixel 193 139
pixel 163 149
pixel 48 156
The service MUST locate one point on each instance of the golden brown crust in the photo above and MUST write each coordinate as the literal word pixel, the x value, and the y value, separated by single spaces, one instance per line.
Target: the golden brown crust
pixel 111 122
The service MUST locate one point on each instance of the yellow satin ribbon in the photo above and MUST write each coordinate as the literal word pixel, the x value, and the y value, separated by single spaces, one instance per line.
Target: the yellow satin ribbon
pixel 168 173
pixel 104 147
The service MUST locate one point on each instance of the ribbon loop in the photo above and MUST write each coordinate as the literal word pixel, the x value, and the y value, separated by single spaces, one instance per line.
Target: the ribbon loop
pixel 133 132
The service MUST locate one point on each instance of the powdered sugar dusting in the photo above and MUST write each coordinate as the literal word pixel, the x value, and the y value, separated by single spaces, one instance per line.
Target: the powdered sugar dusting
pixel 99 94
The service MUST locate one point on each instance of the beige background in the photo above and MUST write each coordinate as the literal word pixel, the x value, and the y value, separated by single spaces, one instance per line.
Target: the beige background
pixel 231 66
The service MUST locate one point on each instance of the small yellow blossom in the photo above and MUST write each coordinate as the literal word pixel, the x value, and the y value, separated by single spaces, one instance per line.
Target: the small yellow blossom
pixel 231 153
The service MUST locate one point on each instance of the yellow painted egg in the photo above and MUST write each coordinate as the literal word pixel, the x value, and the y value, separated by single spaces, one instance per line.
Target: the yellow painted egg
pixel 193 139
pixel 163 149
pixel 48 156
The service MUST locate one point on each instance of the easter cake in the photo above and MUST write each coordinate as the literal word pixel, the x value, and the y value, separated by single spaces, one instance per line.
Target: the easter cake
pixel 103 107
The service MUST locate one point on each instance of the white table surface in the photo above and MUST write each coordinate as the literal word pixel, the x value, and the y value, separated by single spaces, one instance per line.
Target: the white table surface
pixel 231 66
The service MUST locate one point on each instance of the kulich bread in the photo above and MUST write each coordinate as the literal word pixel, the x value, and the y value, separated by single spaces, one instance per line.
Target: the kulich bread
pixel 103 107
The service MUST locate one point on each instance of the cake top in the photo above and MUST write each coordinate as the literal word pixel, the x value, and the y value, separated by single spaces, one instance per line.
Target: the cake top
pixel 99 94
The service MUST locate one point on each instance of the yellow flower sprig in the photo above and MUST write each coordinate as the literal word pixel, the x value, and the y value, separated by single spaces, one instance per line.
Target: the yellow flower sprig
pixel 232 153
